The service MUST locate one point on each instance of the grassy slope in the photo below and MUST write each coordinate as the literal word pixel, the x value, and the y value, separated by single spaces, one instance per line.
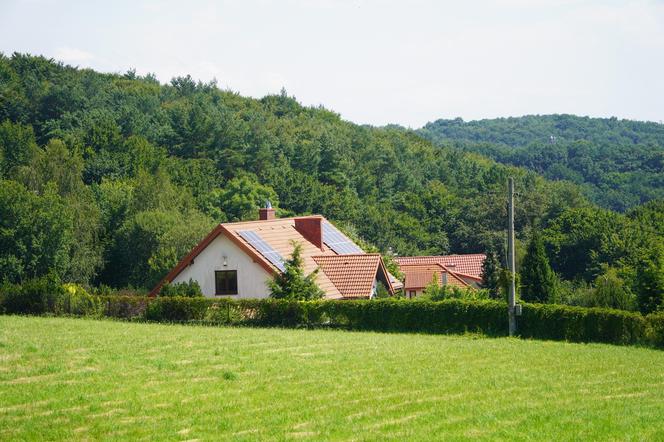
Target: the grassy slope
pixel 74 378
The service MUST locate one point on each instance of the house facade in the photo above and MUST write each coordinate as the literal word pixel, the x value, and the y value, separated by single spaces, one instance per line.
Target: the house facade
pixel 239 259
pixel 454 270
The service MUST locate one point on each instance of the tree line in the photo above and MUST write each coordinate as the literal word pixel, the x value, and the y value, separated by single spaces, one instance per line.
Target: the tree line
pixel 618 163
pixel 109 179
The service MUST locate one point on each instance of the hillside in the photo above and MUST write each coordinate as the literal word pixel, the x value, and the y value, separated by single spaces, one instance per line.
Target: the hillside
pixel 120 381
pixel 146 169
pixel 620 163
pixel 109 179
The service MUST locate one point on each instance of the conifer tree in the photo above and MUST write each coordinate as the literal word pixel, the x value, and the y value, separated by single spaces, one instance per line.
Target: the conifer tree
pixel 650 282
pixel 491 274
pixel 537 278
pixel 293 284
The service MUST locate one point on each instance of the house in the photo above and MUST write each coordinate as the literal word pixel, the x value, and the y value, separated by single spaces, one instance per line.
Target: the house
pixel 239 259
pixel 455 270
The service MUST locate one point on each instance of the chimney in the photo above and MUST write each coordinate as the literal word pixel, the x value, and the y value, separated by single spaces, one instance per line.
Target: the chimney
pixel 267 212
pixel 311 227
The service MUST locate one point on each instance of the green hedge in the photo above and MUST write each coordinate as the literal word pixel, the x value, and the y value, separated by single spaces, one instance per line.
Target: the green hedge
pixel 36 297
pixel 580 324
pixel 450 316
pixel 124 306
pixel 539 321
pixel 655 329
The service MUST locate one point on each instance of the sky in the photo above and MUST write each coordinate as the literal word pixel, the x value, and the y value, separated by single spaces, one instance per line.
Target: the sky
pixel 373 62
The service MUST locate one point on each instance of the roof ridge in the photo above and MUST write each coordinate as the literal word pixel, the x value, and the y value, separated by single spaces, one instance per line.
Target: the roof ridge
pixel 440 256
pixel 466 275
pixel 290 218
pixel 345 255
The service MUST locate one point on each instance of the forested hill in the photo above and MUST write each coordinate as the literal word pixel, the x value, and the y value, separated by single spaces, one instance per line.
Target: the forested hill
pixel 619 162
pixel 110 178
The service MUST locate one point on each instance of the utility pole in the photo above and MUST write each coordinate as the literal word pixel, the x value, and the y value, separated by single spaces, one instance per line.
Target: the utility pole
pixel 511 262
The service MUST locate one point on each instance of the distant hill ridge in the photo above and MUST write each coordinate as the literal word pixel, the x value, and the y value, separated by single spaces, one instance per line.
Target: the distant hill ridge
pixel 522 131
pixel 620 163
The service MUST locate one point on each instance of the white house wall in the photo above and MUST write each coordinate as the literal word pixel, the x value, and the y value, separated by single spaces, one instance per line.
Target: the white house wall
pixel 251 277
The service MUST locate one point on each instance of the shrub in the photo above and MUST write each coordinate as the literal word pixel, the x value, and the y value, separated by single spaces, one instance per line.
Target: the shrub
pixel 104 290
pixel 5 288
pixel 435 292
pixel 124 306
pixel 381 291
pixel 189 289
pixel 655 329
pixel 612 292
pixel 225 313
pixel 36 296
pixel 578 324
pixel 77 301
pixel 177 309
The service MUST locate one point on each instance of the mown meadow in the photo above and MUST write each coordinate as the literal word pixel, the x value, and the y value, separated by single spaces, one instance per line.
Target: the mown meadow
pixel 65 378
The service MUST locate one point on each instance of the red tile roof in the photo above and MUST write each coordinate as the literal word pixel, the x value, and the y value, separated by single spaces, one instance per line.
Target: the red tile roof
pixel 466 265
pixel 352 275
pixel 279 234
pixel 420 276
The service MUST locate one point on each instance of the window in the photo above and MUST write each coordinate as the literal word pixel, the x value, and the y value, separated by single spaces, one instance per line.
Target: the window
pixel 225 282
pixel 412 294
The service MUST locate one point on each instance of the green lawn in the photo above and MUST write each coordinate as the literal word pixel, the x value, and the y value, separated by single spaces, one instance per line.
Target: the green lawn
pixel 86 379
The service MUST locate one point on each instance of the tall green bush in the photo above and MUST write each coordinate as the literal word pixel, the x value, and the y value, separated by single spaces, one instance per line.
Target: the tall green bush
pixel 36 296
pixel 491 274
pixel 189 289
pixel 538 282
pixel 293 283
pixel 75 300
pixel 655 329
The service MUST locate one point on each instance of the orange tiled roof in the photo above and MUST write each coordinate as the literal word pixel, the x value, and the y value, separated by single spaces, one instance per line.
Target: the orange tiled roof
pixel 352 275
pixel 279 234
pixel 420 276
pixel 466 265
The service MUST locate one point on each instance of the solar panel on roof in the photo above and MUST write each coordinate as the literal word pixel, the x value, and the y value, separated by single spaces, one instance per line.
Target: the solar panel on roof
pixel 263 248
pixel 338 242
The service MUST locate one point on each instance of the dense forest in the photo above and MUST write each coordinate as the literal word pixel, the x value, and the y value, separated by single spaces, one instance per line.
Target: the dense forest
pixel 110 179
pixel 619 163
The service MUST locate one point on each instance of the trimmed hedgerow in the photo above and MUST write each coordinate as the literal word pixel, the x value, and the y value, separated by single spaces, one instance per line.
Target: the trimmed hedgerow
pixel 449 316
pixel 189 289
pixel 124 306
pixel 580 324
pixel 539 321
pixel 34 297
pixel 655 329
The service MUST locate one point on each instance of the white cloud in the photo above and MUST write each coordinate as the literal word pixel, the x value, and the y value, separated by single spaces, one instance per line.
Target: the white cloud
pixel 73 55
pixel 374 61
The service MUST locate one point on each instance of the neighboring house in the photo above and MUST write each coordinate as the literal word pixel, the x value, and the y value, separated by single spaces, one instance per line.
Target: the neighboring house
pixel 454 270
pixel 239 259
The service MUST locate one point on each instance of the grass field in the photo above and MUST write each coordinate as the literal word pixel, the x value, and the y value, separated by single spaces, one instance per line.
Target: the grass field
pixel 85 379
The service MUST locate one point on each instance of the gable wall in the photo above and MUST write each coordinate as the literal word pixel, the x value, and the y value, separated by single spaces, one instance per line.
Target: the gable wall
pixel 251 277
